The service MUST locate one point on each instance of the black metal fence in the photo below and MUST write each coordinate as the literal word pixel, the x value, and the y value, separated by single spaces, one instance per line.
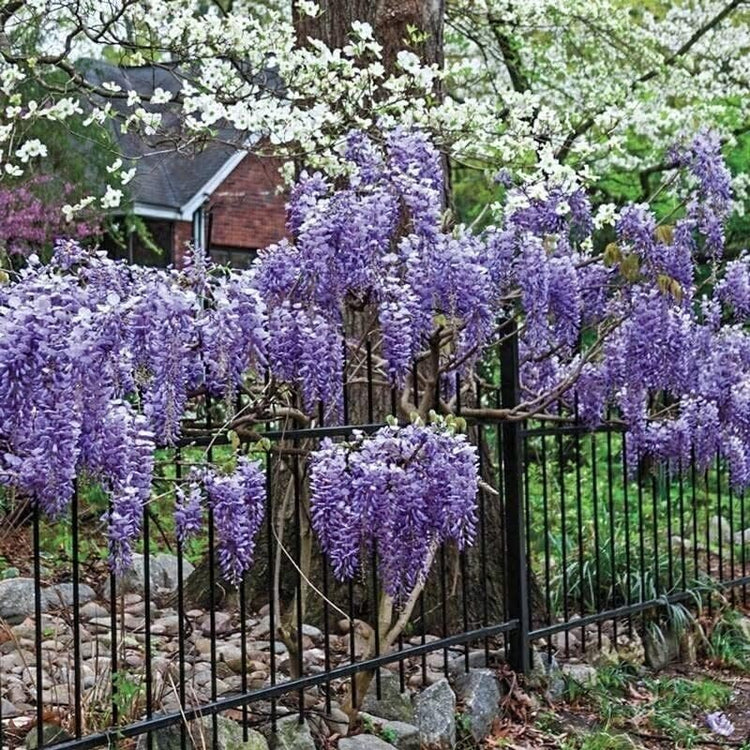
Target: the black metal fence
pixel 573 548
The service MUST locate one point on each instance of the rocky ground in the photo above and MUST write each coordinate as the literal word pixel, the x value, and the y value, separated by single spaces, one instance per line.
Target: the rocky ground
pixel 219 671
pixel 440 708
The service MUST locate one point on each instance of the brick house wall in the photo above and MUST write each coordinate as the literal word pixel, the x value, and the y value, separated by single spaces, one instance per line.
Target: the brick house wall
pixel 247 212
pixel 182 235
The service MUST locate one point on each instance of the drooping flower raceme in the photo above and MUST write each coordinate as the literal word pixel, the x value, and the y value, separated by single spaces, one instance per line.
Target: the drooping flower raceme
pixel 237 501
pixel 99 360
pixel 402 492
pixel 375 245
pixel 97 363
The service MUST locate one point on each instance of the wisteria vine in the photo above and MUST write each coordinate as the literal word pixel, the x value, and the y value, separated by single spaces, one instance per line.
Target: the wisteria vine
pixel 99 361
pixel 237 501
pixel 402 492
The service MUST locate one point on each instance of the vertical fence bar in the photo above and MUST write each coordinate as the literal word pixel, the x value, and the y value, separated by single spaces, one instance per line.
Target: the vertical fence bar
pixel 732 576
pixel 483 521
pixel 655 532
pixel 743 561
pixel 597 540
pixel 707 509
pixel 38 626
pixel 114 669
pixel 547 552
pixel 212 583
pixel 611 517
pixel 667 473
pixel 720 519
pixel 181 653
pixel 642 596
pixel 77 678
pixel 462 557
pixel 147 618
pixel 626 506
pixel 298 563
pixel 579 529
pixel 271 582
pixel 681 490
pixel 516 578
pixel 563 538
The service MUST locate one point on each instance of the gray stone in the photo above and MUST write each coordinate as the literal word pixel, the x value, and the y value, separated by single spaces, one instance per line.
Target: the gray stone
pixel 60 596
pixel 404 736
pixel 8 710
pixel 312 632
pixel 582 674
pixel 630 649
pixel 291 735
pixel 545 674
pixel 600 651
pixel 17 598
pixel 719 530
pixel 479 691
pixel 91 610
pixel 51 734
pixel 200 736
pixel 662 647
pixel 436 716
pixel 393 704
pixel 743 625
pixel 477 658
pixel 162 574
pixel 430 677
pixel 337 721
pixel 364 742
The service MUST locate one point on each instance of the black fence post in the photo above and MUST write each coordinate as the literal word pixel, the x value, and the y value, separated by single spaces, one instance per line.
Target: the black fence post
pixel 516 575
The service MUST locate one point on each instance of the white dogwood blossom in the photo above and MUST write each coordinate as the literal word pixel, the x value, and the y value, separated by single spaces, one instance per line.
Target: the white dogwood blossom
pixel 559 87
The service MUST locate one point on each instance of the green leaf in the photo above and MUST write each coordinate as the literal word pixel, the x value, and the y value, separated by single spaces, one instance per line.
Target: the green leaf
pixel 630 267
pixel 664 234
pixel 612 254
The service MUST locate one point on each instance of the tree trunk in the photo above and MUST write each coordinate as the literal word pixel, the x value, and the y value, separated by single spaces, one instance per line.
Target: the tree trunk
pixel 391 21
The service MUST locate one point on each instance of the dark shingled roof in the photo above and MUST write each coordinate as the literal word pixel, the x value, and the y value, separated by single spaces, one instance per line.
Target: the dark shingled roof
pixel 167 175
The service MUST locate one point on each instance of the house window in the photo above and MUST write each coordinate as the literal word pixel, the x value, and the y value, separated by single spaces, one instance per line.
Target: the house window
pixel 156 250
pixel 233 256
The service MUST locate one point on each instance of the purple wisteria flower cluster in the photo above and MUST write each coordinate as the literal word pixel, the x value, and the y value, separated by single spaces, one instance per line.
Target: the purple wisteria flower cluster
pixel 97 363
pixel 402 492
pixel 377 241
pixel 100 360
pixel 237 501
pixel 631 330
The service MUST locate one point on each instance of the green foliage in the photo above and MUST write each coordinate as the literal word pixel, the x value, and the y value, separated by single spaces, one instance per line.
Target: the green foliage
pixel 728 642
pixel 600 740
pixel 671 707
pixel 471 192
pixel 389 735
pixel 610 538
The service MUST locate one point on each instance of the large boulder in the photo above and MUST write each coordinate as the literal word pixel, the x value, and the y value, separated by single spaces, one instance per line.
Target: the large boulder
pixel 392 704
pixel 162 574
pixel 436 716
pixel 17 598
pixel 292 735
pixel 479 692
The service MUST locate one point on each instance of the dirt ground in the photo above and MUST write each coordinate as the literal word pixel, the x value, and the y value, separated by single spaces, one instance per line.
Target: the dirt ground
pixel 641 712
